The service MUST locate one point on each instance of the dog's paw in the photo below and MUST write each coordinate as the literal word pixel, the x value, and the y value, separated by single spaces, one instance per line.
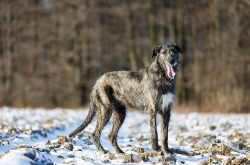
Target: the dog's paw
pixel 168 151
pixel 157 148
pixel 119 151
pixel 103 151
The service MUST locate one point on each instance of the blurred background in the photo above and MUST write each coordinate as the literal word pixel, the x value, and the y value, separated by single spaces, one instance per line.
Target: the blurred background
pixel 52 52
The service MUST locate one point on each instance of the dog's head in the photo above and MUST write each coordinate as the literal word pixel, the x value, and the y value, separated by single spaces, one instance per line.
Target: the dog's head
pixel 168 58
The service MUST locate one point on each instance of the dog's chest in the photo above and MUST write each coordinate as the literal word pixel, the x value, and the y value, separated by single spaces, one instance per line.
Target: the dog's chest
pixel 167 100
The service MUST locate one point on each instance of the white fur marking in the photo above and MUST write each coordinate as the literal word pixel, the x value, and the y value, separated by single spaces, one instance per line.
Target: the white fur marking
pixel 167 99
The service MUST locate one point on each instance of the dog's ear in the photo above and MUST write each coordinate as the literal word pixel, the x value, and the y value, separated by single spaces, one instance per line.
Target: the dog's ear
pixel 156 50
pixel 177 47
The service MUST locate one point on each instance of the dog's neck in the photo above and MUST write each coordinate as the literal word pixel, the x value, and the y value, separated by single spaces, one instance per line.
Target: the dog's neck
pixel 156 67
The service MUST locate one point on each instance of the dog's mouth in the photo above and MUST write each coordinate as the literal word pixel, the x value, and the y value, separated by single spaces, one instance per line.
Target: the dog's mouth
pixel 171 71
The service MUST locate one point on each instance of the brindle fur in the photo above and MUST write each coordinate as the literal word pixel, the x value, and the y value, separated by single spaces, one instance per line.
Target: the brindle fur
pixel 143 90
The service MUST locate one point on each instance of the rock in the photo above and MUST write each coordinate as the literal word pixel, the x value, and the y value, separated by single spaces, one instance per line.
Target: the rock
pixel 140 150
pixel 247 156
pixel 225 149
pixel 57 145
pixel 128 145
pixel 169 158
pixel 5 141
pixel 21 146
pixel 45 150
pixel 152 154
pixel 71 156
pixel 241 161
pixel 228 160
pixel 142 138
pixel 204 162
pixel 106 161
pixel 72 140
pixel 13 130
pixel 214 157
pixel 3 126
pixel 111 156
pixel 231 143
pixel 241 146
pixel 198 145
pixel 128 158
pixel 60 156
pixel 217 141
pixel 30 154
pixel 62 139
pixel 26 130
pixel 141 157
pixel 213 147
pixel 68 146
pixel 48 143
pixel 212 127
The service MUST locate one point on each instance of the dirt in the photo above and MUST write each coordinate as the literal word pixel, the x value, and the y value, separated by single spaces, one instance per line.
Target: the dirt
pixel 213 143
pixel 62 139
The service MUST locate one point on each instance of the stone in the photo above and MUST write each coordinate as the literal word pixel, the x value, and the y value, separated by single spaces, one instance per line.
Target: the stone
pixel 128 158
pixel 5 141
pixel 241 146
pixel 30 154
pixel 111 156
pixel 48 143
pixel 247 156
pixel 62 139
pixel 169 158
pixel 140 150
pixel 60 156
pixel 71 156
pixel 204 162
pixel 45 150
pixel 141 157
pixel 57 145
pixel 68 146
pixel 212 128
pixel 21 146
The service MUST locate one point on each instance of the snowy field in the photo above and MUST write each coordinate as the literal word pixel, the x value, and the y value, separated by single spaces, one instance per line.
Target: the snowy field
pixel 39 137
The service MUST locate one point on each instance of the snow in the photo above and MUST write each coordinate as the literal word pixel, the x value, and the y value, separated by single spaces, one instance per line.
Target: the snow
pixel 34 127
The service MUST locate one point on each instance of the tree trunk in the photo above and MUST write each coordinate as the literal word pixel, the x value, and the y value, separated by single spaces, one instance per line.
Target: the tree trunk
pixel 130 37
pixel 8 73
pixel 181 91
pixel 196 56
pixel 152 27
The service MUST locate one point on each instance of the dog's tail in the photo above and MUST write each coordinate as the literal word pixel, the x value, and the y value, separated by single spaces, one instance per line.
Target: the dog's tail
pixel 91 114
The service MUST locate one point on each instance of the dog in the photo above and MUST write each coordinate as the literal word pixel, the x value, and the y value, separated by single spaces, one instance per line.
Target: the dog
pixel 151 89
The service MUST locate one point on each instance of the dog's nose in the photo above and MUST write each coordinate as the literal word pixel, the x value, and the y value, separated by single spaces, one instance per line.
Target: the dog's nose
pixel 171 61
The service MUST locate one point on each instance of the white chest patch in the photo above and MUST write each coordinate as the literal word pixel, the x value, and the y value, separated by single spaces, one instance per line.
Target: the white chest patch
pixel 167 99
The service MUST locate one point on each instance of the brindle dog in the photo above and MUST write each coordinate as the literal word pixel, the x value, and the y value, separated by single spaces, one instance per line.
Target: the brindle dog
pixel 151 89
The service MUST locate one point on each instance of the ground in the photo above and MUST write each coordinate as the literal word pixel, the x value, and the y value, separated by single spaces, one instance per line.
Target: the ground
pixel 39 136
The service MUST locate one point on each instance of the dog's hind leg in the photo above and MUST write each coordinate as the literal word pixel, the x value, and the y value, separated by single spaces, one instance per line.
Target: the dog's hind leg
pixel 102 120
pixel 119 113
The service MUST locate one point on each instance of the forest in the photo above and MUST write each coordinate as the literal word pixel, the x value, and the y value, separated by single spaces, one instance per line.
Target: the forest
pixel 52 52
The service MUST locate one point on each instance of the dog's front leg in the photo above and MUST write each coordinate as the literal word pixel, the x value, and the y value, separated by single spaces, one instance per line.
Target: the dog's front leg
pixel 153 130
pixel 165 117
